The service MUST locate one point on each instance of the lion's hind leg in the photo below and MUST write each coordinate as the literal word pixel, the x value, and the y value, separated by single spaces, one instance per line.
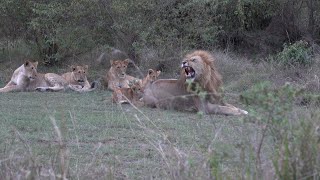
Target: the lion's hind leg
pixel 54 82
pixel 11 88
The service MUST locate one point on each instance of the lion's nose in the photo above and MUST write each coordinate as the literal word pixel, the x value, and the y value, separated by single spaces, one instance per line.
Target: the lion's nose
pixel 184 63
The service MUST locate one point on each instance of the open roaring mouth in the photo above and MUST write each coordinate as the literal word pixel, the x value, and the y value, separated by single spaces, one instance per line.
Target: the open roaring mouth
pixel 190 72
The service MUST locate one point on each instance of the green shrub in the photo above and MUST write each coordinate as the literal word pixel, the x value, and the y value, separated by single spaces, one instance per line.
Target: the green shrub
pixel 298 53
pixel 294 141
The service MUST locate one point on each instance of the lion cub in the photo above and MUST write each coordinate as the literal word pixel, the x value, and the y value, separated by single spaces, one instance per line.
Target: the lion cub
pixel 116 76
pixel 77 78
pixel 132 94
pixel 135 91
pixel 150 77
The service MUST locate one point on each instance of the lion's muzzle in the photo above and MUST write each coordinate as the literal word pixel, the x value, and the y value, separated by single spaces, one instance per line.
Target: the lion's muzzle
pixel 189 71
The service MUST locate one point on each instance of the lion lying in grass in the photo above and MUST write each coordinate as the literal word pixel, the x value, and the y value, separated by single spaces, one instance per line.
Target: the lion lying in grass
pixel 135 91
pixel 132 94
pixel 150 77
pixel 26 78
pixel 197 89
pixel 116 76
pixel 77 78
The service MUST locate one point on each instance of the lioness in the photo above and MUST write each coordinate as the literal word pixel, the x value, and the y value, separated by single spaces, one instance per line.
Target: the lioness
pixel 198 75
pixel 26 78
pixel 116 76
pixel 133 94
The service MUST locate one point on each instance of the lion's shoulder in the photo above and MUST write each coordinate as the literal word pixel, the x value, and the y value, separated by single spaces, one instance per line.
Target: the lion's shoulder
pixel 67 76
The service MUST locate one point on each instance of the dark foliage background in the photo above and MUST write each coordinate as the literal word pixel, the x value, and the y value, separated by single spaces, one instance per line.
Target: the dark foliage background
pixel 56 29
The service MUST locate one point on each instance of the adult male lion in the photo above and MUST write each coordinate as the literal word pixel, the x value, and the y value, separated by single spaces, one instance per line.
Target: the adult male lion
pixel 198 75
pixel 117 76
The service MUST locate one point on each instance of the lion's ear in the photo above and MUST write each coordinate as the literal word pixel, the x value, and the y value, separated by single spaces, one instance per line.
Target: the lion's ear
pixel 73 68
pixel 86 67
pixel 127 61
pixel 130 83
pixel 35 64
pixel 27 63
pixel 158 72
pixel 150 71
pixel 136 81
pixel 111 62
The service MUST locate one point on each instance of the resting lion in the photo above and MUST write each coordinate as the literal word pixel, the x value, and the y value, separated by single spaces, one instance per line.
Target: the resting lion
pixel 135 91
pixel 116 76
pixel 150 77
pixel 77 78
pixel 133 94
pixel 26 78
pixel 198 75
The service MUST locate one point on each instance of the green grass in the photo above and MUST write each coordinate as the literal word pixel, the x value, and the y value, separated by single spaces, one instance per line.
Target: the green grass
pixel 104 139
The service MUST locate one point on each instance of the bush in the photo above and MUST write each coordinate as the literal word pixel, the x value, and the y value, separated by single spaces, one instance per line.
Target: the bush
pixel 295 138
pixel 296 54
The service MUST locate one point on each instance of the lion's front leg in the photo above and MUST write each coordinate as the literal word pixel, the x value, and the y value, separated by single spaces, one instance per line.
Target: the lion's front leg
pixel 77 88
pixel 54 88
pixel 227 109
pixel 88 87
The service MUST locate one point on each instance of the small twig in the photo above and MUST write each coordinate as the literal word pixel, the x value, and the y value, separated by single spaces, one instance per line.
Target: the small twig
pixel 63 151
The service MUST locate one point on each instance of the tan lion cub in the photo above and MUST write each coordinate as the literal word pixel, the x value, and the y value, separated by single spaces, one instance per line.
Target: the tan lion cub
pixel 132 94
pixel 135 91
pixel 150 77
pixel 116 76
pixel 77 78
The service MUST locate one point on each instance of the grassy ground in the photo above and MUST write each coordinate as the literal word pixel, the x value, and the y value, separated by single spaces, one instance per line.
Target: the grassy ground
pixel 85 136
pixel 103 139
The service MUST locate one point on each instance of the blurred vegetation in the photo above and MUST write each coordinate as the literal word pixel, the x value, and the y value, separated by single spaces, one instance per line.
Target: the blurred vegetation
pixel 56 29
pixel 295 139
pixel 295 54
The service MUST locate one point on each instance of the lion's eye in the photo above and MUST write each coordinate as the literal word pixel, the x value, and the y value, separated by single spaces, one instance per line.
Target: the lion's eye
pixel 79 72
pixel 118 67
pixel 32 68
pixel 193 60
pixel 124 66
